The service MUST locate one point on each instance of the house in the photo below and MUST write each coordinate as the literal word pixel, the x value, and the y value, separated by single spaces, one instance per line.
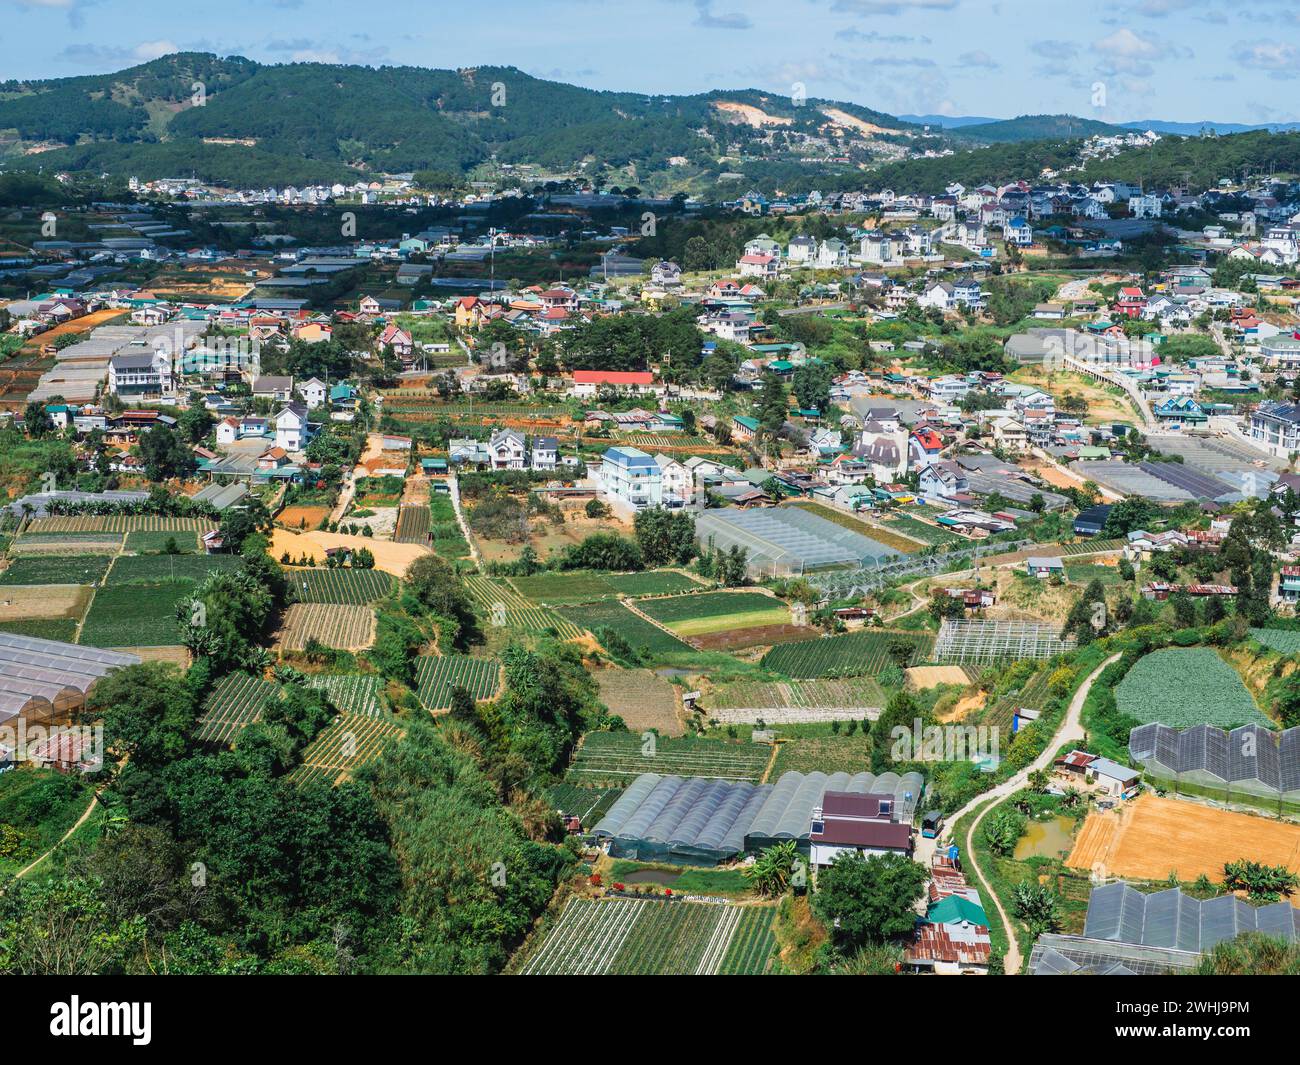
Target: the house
pixel 848 822
pixel 1177 411
pixel 292 430
pixel 592 382
pixel 135 376
pixel 1288 584
pixel 630 477
pixel 506 450
pixel 227 430
pixel 1044 566
pixel 1130 302
pixel 676 481
pixel 398 339
pixel 802 249
pixel 744 428
pixel 1010 434
pixel 279 389
pixel 764 266
pixel 1275 427
pixel 467 452
pixel 942 480
pixel 1099 774
pixel 1018 232
pixel 953 939
pixel 313 392
pixel 666 274
pixel 369 306
pixel 1092 520
pixel 545 454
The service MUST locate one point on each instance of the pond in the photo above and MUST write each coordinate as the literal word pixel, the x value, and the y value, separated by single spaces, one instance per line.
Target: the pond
pixel 1046 839
pixel 662 877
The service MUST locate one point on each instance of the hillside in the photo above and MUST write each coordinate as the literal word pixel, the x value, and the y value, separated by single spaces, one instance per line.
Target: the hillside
pixel 272 124
pixel 1034 128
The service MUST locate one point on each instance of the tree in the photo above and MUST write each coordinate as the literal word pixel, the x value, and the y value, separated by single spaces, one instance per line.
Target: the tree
pixel 164 454
pixel 1088 618
pixel 665 537
pixel 37 420
pixel 1035 904
pixel 1263 883
pixel 1003 830
pixel 1130 513
pixel 811 383
pixel 772 870
pixel 868 900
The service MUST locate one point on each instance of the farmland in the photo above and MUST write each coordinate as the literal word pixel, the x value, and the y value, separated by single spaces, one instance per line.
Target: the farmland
pixel 135 615
pixel 437 675
pixel 1033 696
pixel 871 530
pixel 63 629
pixel 344 745
pixel 445 536
pixel 236 701
pixel 693 615
pixel 589 804
pixel 355 693
pixel 145 541
pixel 807 700
pixel 168 569
pixel 413 521
pixel 345 587
pixel 652 582
pixel 617 758
pixel 639 633
pixel 504 607
pixel 64 569
pixel 347 628
pixel 564 588
pixel 623 936
pixel 1208 690
pixel 116 523
pixel 68 544
pixel 642 699
pixel 1284 641
pixel 863 653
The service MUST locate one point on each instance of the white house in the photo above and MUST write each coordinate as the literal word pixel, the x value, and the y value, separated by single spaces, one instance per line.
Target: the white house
pixel 507 450
pixel 676 482
pixel 630 478
pixel 292 430
pixel 546 453
pixel 314 392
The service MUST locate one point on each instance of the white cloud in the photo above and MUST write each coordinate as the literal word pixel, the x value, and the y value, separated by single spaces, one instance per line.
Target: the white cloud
pixel 978 58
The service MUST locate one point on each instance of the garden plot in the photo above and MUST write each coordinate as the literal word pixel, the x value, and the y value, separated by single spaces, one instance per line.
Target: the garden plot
pixel 345 587
pixel 355 693
pixel 169 569
pixel 437 675
pixel 710 612
pixel 117 523
pixel 652 582
pixel 641 698
pixel 640 634
pixel 618 758
pixel 135 615
pixel 343 746
pixel 345 628
pixel 56 569
pixel 589 805
pixel 26 602
pixel 413 522
pixel 861 654
pixel 1285 641
pixel 564 588
pixel 1185 686
pixel 236 701
pixel 503 607
pixel 624 936
pixel 747 702
pixel 146 542
pixel 67 544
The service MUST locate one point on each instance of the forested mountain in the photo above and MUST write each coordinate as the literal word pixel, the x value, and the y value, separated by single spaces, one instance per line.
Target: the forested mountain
pixel 236 121
pixel 1035 128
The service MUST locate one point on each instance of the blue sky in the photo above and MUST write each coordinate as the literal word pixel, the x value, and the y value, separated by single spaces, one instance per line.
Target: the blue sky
pixel 1118 60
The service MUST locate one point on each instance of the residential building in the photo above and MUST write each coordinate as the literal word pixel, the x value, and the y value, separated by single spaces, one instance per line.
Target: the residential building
pixel 630 477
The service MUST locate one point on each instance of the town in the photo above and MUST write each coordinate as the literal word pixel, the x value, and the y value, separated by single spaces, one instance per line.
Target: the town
pixel 542 574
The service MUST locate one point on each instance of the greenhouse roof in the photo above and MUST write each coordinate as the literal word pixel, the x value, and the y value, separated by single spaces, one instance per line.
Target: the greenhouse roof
pixel 1250 753
pixel 789 538
pixel 34 673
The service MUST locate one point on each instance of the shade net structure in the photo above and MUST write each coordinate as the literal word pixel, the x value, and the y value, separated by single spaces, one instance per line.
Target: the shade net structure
pixel 702 821
pixel 1249 765
pixel 972 640
pixel 785 541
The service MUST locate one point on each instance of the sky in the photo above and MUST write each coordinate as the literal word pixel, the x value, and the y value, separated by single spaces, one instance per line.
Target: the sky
pixel 1115 60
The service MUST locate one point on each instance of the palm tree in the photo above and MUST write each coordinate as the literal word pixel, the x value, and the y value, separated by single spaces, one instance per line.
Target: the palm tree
pixel 771 873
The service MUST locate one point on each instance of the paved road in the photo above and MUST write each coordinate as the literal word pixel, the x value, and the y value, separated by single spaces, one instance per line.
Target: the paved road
pixel 1070 730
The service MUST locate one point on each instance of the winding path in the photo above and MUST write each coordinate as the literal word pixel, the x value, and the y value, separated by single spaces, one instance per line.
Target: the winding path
pixel 94 801
pixel 1071 729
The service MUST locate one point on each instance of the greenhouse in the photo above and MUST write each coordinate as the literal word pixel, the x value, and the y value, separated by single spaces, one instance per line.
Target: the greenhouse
pixel 1127 931
pixel 702 821
pixel 45 679
pixel 1249 765
pixel 786 541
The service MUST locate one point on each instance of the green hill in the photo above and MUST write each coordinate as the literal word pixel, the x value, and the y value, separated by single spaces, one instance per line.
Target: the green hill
pixel 1035 128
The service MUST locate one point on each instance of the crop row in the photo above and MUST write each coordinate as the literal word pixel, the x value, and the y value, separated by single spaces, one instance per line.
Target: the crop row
pixel 344 745
pixel 437 675
pixel 347 628
pixel 619 757
pixel 863 653
pixel 344 587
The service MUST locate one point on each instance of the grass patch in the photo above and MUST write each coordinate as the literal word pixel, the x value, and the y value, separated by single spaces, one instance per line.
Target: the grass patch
pixel 58 569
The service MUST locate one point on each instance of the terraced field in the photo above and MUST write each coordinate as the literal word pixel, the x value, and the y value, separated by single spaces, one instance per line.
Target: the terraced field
pixel 437 675
pixel 1286 641
pixel 623 936
pixel 587 804
pixel 143 541
pixel 641 698
pixel 504 607
pixel 135 615
pixel 355 693
pixel 564 588
pixel 1033 696
pixel 344 587
pixel 1087 547
pixel 92 543
pixel 235 702
pixel 652 582
pixel 343 746
pixel 117 523
pixel 849 698
pixel 863 653
pixel 346 628
pixel 708 612
pixel 618 758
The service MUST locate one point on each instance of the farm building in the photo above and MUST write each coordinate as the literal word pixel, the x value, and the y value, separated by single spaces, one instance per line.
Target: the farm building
pixel 782 541
pixel 1249 765
pixel 1128 933
pixel 44 680
pixel 702 821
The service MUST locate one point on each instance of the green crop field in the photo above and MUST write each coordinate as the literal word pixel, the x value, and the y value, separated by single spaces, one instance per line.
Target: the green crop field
pixel 436 675
pixel 161 569
pixel 62 629
pixel 117 523
pixel 413 521
pixel 853 693
pixel 502 606
pixel 135 615
pixel 56 569
pixel 588 804
pixel 618 758
pixel 355 693
pixel 147 541
pixel 445 536
pixel 235 702
pixel 652 582
pixel 624 936
pixel 863 653
pixel 690 615
pixel 564 588
pixel 919 530
pixel 1287 641
pixel 1185 686
pixel 87 543
pixel 639 633
pixel 343 746
pixel 1083 572
pixel 1088 547
pixel 342 587
pixel 1033 696
pixel 848 521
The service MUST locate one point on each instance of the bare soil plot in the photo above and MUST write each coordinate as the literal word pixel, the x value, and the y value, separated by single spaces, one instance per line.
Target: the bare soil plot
pixel 302 517
pixel 641 698
pixel 755 636
pixel 922 677
pixel 389 557
pixel 20 602
pixel 1150 837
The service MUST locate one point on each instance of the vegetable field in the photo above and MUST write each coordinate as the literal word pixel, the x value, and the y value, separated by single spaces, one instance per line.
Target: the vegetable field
pixel 853 696
pixel 355 693
pixel 145 541
pixel 618 758
pixel 1185 686
pixel 345 587
pixel 1033 696
pixel 345 744
pixel 863 653
pixel 639 633
pixel 67 544
pixel 1286 641
pixel 436 675
pixel 162 569
pixel 413 521
pixel 501 604
pixel 587 804
pixel 135 615
pixel 584 587
pixel 236 701
pixel 622 936
pixel 642 698
pixel 652 582
pixel 692 615
pixel 346 628
pixel 117 523
pixel 59 569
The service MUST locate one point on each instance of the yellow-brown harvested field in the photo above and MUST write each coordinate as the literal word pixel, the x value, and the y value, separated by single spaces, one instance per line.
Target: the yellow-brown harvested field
pixel 347 628
pixel 389 557
pixel 302 517
pixel 922 677
pixel 176 655
pixel 642 699
pixel 1151 837
pixel 23 602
